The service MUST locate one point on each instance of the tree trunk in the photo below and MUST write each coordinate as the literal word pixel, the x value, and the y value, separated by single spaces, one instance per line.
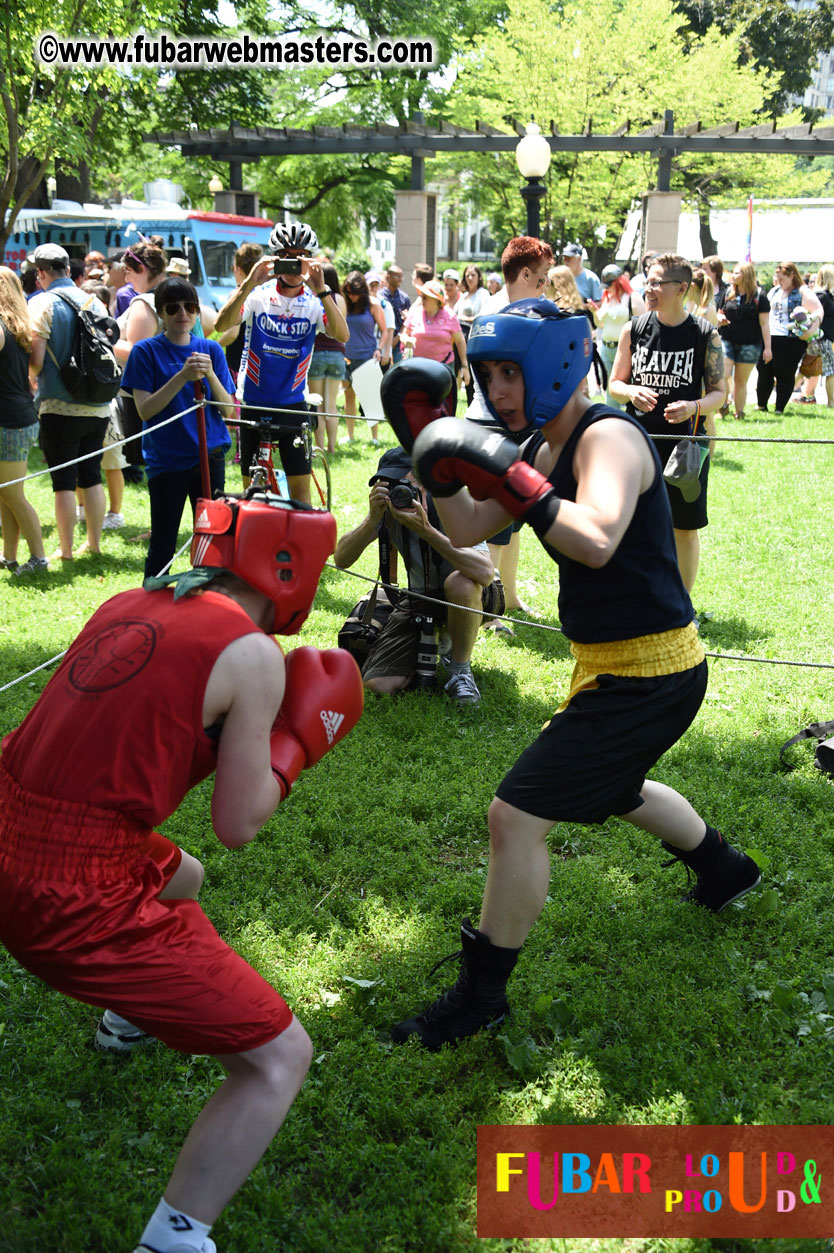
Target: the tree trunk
pixel 709 248
pixel 73 184
pixel 37 199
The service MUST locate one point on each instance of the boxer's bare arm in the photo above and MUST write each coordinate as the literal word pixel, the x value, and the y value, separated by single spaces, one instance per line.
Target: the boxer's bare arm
pixel 245 691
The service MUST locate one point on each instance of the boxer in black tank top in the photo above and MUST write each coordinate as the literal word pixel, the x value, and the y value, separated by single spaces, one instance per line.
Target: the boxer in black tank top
pixel 589 483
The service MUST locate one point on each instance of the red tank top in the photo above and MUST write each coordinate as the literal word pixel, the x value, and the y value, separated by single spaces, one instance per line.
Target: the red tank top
pixel 119 725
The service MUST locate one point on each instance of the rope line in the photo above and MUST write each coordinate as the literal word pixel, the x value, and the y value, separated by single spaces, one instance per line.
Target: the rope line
pixel 448 604
pixel 545 626
pixel 89 455
pixel 58 656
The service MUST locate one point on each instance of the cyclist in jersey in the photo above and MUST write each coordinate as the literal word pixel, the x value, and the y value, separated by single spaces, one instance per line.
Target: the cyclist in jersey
pixel 282 312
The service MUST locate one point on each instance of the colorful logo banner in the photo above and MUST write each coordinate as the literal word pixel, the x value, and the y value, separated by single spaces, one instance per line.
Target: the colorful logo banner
pixel 624 1181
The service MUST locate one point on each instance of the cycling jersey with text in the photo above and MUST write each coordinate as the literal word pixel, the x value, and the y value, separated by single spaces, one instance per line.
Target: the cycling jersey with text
pixel 280 333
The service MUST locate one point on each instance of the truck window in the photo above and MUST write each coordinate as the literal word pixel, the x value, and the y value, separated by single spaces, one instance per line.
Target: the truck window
pixel 217 261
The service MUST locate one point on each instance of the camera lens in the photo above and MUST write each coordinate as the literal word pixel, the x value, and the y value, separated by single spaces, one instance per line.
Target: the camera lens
pixel 425 674
pixel 402 495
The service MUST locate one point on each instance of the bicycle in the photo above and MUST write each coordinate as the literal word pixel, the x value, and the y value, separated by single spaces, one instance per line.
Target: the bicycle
pixel 262 471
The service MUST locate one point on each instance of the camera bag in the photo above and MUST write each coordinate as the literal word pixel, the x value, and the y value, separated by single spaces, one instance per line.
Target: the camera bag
pixel 824 756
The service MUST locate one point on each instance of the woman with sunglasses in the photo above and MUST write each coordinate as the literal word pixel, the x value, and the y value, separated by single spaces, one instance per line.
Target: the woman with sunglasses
pixel 161 373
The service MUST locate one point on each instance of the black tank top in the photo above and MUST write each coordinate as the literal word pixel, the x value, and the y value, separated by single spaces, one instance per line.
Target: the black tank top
pixel 670 360
pixel 18 408
pixel 639 591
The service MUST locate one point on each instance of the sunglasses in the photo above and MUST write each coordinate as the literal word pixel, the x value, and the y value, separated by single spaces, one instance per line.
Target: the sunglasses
pixel 190 307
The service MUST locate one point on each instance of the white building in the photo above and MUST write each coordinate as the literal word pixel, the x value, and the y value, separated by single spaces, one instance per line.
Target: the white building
pixel 783 230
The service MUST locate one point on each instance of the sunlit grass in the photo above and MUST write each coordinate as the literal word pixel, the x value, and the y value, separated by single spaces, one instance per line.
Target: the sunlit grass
pixel 366 872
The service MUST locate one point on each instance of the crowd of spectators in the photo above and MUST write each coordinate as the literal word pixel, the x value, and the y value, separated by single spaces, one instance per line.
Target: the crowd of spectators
pixel 168 341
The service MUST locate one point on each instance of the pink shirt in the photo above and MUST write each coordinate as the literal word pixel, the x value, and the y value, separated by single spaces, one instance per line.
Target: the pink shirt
pixel 433 335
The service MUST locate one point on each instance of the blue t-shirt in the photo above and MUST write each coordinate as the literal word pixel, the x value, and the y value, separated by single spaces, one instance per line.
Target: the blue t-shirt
pixel 151 363
pixel 590 288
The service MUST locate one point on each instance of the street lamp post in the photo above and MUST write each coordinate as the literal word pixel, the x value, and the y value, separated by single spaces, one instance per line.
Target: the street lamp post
pixel 533 158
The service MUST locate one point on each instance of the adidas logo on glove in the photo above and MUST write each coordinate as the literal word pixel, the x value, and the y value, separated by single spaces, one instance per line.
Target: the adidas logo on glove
pixel 332 721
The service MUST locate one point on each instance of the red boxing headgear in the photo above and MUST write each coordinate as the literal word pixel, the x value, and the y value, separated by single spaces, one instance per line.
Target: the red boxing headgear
pixel 276 546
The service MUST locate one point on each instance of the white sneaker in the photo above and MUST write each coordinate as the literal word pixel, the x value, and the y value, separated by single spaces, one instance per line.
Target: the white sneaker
pixel 463 689
pixel 113 521
pixel 116 1035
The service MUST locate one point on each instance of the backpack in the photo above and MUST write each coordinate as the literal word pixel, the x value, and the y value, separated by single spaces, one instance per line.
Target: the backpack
pixel 364 625
pixel 91 375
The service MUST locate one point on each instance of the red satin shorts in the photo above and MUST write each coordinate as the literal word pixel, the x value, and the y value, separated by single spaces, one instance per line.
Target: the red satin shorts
pixel 80 908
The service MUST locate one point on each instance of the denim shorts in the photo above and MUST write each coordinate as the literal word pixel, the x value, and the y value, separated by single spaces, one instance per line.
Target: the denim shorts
pixel 747 354
pixel 15 441
pixel 327 365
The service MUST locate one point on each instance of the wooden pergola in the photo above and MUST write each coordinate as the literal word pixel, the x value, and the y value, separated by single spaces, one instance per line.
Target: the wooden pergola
pixel 419 140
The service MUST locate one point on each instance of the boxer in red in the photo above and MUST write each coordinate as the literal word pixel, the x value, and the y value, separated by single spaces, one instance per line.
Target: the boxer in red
pixel 161 688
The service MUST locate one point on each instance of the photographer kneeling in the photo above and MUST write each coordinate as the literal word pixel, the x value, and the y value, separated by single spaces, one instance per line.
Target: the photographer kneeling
pixel 462 576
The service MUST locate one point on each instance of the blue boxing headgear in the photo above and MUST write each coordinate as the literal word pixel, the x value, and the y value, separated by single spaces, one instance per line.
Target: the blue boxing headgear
pixel 553 348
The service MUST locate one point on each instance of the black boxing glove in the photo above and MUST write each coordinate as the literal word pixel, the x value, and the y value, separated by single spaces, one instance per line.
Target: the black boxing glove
pixel 451 454
pixel 412 394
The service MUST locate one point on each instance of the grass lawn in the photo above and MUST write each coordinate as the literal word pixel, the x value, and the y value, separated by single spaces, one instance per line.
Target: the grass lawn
pixel 628 1006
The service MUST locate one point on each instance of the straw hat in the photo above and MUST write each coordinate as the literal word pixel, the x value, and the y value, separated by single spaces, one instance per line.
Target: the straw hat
pixel 178 266
pixel 433 288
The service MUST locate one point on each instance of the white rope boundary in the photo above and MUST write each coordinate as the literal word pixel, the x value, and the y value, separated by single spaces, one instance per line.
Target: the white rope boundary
pixel 540 626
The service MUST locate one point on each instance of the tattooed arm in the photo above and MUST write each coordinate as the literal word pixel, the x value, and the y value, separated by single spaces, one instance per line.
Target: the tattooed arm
pixel 714 386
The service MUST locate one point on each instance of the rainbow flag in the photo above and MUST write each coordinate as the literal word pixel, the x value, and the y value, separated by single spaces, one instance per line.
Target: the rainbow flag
pixel 749 247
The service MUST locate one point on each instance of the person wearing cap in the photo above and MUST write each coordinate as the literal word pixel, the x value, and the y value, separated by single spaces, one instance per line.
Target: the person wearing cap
pixel 451 286
pixel 385 342
pixel 494 282
pixel 69 430
pixel 400 303
pixel 669 374
pixel 164 688
pixel 618 305
pixel 590 288
pixel 430 330
pixel 588 481
pixel 434 567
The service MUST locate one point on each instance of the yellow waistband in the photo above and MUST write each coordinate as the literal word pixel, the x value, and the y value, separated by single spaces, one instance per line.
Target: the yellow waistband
pixel 645 657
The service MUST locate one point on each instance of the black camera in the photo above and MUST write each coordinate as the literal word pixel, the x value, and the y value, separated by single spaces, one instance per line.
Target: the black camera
pixel 403 494
pixel 286 265
pixel 425 673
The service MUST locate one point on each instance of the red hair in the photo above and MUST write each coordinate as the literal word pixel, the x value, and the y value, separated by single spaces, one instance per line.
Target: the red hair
pixel 622 287
pixel 523 251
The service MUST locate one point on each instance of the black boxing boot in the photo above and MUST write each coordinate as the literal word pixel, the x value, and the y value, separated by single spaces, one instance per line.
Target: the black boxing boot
pixel 723 874
pixel 478 998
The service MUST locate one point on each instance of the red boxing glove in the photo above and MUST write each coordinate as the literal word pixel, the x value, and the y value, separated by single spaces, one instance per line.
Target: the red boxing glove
pixel 452 454
pixel 412 394
pixel 322 702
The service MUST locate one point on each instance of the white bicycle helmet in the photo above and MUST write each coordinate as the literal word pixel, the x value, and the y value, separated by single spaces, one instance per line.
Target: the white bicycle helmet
pixel 293 236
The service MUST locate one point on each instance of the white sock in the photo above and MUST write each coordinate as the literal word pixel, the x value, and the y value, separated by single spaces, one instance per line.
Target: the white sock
pixel 171 1229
